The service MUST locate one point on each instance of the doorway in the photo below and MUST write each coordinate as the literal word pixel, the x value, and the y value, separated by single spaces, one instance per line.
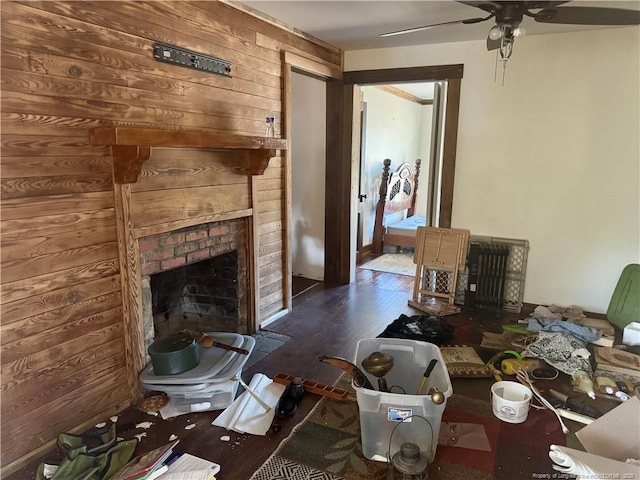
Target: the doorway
pixel 308 153
pixel 294 65
pixel 397 123
pixel 343 163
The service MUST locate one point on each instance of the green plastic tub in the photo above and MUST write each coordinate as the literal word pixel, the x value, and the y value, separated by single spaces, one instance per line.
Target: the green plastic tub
pixel 173 355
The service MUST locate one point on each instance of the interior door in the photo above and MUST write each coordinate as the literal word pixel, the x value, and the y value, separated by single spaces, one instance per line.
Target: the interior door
pixel 362 197
pixel 434 179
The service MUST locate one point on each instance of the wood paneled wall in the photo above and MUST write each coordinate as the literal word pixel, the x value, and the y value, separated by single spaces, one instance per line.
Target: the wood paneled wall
pixel 68 67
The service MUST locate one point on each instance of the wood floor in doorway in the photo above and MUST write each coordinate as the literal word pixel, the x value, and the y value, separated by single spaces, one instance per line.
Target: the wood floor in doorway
pixel 301 284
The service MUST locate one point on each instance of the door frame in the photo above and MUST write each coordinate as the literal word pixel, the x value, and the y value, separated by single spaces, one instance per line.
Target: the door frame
pixel 343 178
pixel 328 73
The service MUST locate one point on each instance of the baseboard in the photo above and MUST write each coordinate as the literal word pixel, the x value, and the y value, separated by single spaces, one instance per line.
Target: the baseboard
pixel 273 318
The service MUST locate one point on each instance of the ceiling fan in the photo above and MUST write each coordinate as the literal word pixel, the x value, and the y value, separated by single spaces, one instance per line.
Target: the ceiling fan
pixel 509 15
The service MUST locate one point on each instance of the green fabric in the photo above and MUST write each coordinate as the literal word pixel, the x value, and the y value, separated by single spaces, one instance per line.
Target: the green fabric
pixel 94 441
pixel 521 329
pixel 95 455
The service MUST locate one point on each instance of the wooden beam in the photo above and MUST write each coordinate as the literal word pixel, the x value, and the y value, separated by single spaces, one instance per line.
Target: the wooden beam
pixel 131 147
pixel 314 67
pixel 408 74
pixel 165 227
pixel 130 274
pixel 287 287
pixel 401 93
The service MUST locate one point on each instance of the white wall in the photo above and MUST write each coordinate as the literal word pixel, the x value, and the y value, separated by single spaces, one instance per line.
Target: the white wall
pixel 393 131
pixel 552 157
pixel 308 147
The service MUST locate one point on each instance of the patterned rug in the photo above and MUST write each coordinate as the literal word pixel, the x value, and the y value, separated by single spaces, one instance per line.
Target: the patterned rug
pixel 327 445
pixel 399 263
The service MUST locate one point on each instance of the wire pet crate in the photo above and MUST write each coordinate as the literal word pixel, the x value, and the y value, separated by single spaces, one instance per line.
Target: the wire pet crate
pixel 514 278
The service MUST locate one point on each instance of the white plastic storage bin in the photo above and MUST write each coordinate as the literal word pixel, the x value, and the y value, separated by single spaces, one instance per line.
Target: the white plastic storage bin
pixel 212 385
pixel 382 412
pixel 214 397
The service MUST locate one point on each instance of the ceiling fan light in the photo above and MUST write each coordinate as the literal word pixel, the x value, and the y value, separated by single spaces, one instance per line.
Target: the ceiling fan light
pixel 519 32
pixel 495 33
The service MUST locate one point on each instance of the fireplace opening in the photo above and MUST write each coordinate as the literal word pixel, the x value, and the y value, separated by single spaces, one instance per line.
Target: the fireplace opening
pixel 202 296
pixel 196 278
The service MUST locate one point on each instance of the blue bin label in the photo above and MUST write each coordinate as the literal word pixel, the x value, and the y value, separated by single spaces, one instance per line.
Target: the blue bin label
pixel 399 414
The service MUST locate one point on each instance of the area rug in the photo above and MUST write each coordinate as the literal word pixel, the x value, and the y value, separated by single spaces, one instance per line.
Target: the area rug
pixel 327 445
pixel 399 263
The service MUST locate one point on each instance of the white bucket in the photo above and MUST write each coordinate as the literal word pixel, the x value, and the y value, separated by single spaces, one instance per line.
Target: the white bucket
pixel 510 401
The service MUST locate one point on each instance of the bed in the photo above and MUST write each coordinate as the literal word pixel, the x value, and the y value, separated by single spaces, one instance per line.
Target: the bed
pixel 397 194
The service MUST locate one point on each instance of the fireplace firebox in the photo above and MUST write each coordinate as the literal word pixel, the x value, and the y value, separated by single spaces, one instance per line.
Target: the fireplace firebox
pixel 195 278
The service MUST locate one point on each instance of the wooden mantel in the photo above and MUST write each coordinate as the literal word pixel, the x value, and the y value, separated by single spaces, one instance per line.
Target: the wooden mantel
pixel 131 147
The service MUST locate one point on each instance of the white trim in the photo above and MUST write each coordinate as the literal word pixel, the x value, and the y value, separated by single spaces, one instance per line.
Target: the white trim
pixel 273 318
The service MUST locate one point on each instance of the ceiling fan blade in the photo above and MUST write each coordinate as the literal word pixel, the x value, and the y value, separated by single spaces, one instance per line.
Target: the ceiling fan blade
pixel 425 27
pixel 588 16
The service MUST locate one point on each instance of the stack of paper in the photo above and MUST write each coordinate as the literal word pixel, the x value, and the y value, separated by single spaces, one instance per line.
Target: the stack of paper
pixel 147 466
pixel 189 467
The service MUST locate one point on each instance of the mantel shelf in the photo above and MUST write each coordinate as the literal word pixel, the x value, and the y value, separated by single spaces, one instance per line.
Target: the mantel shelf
pixel 131 147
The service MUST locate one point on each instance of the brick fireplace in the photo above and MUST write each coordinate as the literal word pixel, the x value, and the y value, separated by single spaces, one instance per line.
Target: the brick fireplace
pixel 167 180
pixel 195 277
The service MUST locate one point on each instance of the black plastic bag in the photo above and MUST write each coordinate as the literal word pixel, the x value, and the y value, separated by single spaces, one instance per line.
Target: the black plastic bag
pixel 427 328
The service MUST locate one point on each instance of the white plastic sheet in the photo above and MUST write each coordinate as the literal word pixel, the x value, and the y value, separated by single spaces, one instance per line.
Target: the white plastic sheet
pixel 245 414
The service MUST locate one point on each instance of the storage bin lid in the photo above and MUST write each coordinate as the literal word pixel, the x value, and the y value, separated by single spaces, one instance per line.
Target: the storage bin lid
pixel 203 390
pixel 233 368
pixel 213 361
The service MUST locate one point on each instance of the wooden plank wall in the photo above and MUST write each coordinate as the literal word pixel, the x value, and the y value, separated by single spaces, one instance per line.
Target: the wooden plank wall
pixel 68 67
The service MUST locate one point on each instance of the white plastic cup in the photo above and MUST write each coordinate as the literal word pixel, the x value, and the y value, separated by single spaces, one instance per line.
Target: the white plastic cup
pixel 510 401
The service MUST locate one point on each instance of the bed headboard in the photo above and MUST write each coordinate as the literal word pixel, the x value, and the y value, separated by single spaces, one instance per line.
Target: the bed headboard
pixel 398 189
pixel 397 193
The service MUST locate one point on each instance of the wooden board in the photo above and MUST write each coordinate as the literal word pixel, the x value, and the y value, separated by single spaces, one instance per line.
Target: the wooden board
pixel 68 68
pixel 434 306
pixel 313 387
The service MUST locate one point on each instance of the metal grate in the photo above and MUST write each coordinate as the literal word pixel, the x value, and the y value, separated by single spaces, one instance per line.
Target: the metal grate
pixel 515 272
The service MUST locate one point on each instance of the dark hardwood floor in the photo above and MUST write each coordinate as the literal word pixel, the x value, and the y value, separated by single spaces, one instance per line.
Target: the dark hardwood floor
pixel 325 320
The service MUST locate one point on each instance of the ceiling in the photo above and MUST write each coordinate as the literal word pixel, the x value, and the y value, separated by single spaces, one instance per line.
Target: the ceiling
pixel 355 25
